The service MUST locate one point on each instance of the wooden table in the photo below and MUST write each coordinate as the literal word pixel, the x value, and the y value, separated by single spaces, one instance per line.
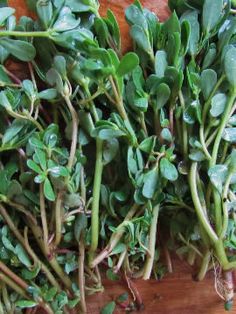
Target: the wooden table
pixel 177 293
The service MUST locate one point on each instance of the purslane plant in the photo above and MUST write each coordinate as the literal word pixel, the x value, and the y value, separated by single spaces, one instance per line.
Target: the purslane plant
pixel 96 146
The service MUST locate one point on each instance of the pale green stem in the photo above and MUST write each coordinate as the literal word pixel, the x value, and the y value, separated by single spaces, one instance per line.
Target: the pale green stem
pixel 119 101
pixel 43 217
pixel 1 307
pixel 204 116
pixel 189 245
pixel 224 121
pixel 200 212
pixel 185 129
pixel 11 283
pixel 81 279
pixel 24 117
pixel 75 122
pixel 96 199
pixel 45 34
pixel 42 266
pixel 152 244
pixel 5 297
pixel 58 219
pixel 115 238
pixel 204 266
pixel 224 206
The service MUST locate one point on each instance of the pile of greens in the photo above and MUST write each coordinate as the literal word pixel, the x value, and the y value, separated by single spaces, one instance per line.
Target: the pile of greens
pixel 111 161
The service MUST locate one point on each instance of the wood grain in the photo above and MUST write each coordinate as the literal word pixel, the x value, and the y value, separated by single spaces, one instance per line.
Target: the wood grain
pixel 176 293
pixel 21 8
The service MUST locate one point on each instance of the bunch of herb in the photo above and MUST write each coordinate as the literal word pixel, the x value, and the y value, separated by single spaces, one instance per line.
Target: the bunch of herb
pixel 189 66
pixel 78 166
pixel 96 144
pixel 192 58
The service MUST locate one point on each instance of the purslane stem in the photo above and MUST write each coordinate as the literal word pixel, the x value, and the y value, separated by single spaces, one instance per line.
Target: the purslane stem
pixel 58 219
pixel 5 297
pixel 75 122
pixel 208 102
pixel 51 259
pixel 218 210
pixel 213 161
pixel 157 124
pixel 13 285
pixel 24 242
pixel 96 185
pixel 19 281
pixel 96 199
pixel 119 101
pixel 12 226
pixel 224 121
pixel 185 129
pixel 191 257
pixel 204 221
pixel 192 247
pixel 204 116
pixel 115 238
pixel 204 267
pixel 44 268
pixel 200 212
pixel 6 304
pixel 224 206
pixel 24 117
pixel 45 34
pixel 81 279
pixel 43 217
pixel 152 244
pixel 20 208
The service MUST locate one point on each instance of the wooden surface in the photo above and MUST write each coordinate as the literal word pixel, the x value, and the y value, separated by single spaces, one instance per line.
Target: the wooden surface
pixel 176 293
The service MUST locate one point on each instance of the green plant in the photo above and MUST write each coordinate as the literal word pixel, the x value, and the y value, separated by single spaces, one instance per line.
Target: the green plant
pixel 97 146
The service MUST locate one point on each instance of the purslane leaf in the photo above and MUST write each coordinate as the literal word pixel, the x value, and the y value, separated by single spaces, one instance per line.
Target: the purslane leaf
pixel 127 64
pixel 48 190
pixel 168 170
pixel 230 65
pixel 211 14
pixel 20 49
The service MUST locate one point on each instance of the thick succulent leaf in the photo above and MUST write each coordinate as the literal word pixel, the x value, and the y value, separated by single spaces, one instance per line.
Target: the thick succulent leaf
pixel 230 66
pixel 20 49
pixel 211 14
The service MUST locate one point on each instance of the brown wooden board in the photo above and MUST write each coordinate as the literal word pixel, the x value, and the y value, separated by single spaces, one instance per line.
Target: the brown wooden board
pixel 177 293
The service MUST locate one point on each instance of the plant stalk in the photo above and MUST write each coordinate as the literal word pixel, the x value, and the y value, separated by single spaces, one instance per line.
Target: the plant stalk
pixel 224 121
pixel 115 238
pixel 45 34
pixel 204 267
pixel 11 283
pixel 51 258
pixel 75 122
pixel 119 100
pixel 81 279
pixel 152 244
pixel 96 199
pixel 185 129
pixel 43 217
pixel 200 212
pixel 58 219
